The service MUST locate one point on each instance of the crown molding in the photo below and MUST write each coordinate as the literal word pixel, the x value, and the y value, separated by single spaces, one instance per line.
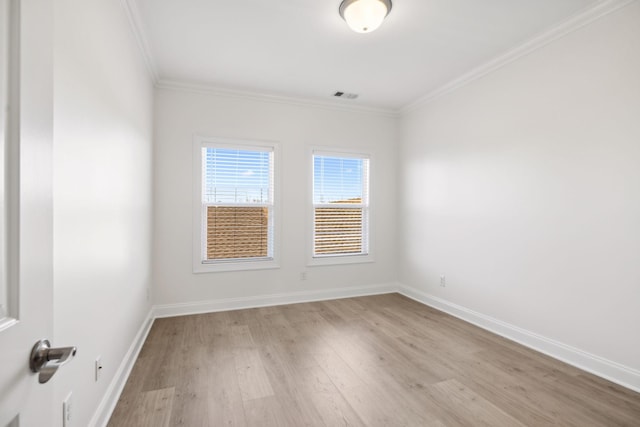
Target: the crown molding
pixel 133 14
pixel 567 26
pixel 272 98
pixel 577 21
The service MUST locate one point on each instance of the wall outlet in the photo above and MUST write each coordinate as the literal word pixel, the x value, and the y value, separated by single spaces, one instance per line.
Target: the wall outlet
pixel 98 367
pixel 443 281
pixel 303 275
pixel 67 410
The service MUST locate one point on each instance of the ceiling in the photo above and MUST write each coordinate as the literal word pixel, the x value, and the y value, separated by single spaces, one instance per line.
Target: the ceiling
pixel 302 48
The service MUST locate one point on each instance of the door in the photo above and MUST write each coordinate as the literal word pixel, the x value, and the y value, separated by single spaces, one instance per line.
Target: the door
pixel 26 279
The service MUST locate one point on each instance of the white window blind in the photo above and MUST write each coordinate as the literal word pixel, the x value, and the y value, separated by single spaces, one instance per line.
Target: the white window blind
pixel 340 205
pixel 237 203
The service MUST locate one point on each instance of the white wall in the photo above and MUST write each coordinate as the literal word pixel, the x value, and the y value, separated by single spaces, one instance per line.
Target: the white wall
pixel 103 106
pixel 179 115
pixel 523 188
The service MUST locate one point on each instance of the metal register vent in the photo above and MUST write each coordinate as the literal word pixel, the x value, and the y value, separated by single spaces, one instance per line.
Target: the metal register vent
pixel 345 95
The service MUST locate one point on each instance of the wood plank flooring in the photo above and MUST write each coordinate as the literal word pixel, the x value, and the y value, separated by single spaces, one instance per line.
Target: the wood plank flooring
pixel 370 361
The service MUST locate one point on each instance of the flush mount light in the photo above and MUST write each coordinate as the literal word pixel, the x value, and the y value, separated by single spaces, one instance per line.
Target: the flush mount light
pixel 364 16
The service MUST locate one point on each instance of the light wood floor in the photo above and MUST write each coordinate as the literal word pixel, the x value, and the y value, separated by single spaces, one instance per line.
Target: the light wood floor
pixel 371 361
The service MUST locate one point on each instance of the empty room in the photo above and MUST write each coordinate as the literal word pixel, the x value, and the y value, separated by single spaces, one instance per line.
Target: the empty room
pixel 320 212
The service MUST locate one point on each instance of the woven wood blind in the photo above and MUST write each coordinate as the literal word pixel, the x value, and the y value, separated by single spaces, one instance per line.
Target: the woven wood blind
pixel 338 231
pixel 237 232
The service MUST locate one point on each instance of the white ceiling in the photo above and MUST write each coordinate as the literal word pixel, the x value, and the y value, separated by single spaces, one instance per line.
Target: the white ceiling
pixel 302 48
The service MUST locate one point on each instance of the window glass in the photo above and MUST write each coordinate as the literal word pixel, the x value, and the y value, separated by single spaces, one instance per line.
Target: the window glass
pixel 237 203
pixel 341 205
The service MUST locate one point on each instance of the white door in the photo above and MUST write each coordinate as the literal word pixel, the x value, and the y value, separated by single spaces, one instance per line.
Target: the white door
pixel 26 129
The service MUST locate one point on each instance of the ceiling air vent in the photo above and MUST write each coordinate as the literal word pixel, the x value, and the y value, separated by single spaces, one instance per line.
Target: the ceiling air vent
pixel 345 95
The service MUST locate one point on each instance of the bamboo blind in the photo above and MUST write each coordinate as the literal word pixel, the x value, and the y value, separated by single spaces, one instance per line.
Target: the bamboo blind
pixel 242 232
pixel 237 232
pixel 338 231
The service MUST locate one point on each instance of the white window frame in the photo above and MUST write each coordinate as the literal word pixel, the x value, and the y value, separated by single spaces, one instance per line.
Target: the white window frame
pixel 200 265
pixel 336 259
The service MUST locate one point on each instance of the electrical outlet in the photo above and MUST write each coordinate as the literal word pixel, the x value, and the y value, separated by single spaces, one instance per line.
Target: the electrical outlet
pixel 303 275
pixel 98 367
pixel 443 281
pixel 67 411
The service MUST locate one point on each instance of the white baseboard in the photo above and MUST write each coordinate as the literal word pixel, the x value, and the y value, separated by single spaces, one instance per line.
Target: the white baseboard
pixel 612 371
pixel 171 310
pixel 107 405
pixel 110 399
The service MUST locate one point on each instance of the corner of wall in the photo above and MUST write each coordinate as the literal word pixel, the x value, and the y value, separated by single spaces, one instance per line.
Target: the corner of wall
pixel 607 369
pixel 112 394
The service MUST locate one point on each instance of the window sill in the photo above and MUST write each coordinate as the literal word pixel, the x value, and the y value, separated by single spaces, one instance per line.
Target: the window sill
pixel 340 260
pixel 234 266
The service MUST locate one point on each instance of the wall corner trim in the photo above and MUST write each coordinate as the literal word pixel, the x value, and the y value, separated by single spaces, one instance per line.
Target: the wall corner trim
pixel 607 369
pixel 112 394
pixel 197 307
pixel 573 23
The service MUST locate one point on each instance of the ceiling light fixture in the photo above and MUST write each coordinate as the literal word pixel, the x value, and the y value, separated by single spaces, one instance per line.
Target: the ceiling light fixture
pixel 364 16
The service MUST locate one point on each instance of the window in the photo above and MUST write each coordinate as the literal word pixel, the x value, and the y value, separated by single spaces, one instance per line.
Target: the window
pixel 340 205
pixel 235 205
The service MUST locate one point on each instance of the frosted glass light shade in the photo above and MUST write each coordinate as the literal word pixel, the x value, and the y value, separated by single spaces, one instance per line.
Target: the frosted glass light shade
pixel 364 16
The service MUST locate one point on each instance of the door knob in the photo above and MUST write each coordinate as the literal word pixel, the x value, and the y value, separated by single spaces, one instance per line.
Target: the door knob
pixel 47 360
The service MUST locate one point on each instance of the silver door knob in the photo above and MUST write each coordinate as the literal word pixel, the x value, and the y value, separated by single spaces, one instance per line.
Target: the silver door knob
pixel 47 360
